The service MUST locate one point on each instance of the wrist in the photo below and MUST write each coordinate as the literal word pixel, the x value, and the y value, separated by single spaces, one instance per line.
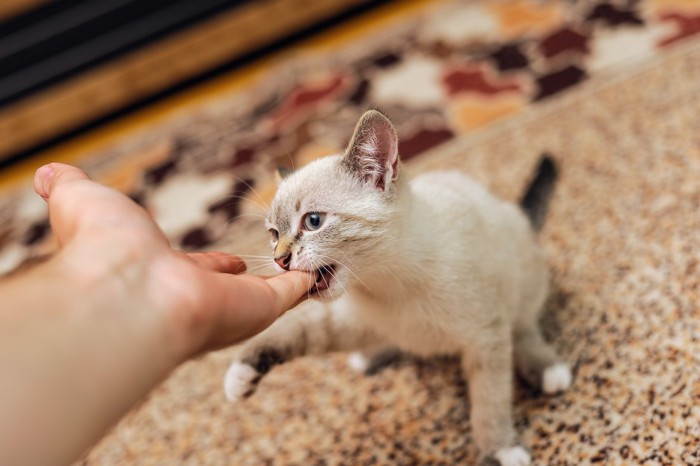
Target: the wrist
pixel 83 346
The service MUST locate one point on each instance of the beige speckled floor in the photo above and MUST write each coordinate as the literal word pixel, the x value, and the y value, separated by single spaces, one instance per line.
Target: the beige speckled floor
pixel 623 240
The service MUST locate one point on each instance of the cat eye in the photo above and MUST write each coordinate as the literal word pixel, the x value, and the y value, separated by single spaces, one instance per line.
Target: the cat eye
pixel 313 220
pixel 275 235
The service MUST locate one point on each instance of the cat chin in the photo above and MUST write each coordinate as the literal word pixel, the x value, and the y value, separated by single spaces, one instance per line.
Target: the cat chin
pixel 324 296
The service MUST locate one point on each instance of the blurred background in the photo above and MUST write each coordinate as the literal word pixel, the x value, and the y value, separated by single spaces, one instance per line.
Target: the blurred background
pixel 67 66
pixel 189 106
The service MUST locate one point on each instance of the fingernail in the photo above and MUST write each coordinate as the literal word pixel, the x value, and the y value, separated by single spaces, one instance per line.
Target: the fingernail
pixel 42 178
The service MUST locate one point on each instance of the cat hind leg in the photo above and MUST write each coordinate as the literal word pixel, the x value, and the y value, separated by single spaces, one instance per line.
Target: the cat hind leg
pixel 537 362
pixel 488 367
pixel 508 456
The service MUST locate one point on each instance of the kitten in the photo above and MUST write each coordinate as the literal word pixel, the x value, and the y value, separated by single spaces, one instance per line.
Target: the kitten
pixel 433 266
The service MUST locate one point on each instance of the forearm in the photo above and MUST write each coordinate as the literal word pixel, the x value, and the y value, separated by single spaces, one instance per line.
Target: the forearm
pixel 77 355
pixel 86 335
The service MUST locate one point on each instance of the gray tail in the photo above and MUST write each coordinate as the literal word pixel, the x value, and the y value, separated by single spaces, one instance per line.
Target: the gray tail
pixel 538 194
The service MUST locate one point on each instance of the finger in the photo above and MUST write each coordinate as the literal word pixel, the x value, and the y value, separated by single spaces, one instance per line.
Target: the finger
pixel 76 203
pixel 49 176
pixel 46 181
pixel 249 304
pixel 290 288
pixel 219 262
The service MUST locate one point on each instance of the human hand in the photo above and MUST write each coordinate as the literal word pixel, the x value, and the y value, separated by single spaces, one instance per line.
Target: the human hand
pixel 114 250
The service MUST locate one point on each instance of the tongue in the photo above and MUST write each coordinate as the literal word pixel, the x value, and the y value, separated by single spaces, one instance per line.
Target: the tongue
pixel 320 286
pixel 322 279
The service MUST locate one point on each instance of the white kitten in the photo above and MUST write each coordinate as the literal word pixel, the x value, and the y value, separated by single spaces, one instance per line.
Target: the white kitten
pixel 435 266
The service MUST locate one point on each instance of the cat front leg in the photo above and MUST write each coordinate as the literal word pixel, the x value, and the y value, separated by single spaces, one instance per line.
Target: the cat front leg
pixel 488 367
pixel 311 328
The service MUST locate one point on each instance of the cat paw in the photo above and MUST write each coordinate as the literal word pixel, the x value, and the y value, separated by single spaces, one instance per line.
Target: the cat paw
pixel 556 378
pixel 509 456
pixel 244 374
pixel 358 362
pixel 240 381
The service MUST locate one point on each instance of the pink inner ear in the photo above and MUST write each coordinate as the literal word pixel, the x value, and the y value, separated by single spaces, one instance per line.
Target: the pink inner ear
pixel 395 166
pixel 373 151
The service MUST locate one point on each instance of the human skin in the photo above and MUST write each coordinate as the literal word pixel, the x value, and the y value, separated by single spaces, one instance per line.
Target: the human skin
pixel 87 334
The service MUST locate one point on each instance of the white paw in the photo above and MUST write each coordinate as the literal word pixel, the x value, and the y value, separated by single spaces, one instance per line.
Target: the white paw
pixel 358 362
pixel 513 456
pixel 239 380
pixel 556 378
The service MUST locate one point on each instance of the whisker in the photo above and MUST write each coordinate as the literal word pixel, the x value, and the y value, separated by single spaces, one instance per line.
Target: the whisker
pixel 261 264
pixel 250 214
pixel 333 274
pixel 255 260
pixel 315 263
pixel 254 191
pixel 308 293
pixel 347 267
pixel 325 264
pixel 313 266
pixel 254 256
pixel 259 268
pixel 289 156
pixel 231 220
pixel 245 198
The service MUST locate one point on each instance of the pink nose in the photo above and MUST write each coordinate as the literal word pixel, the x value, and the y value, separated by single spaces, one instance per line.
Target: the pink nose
pixel 284 260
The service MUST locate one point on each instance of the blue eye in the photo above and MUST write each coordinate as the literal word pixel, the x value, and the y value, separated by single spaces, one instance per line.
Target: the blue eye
pixel 313 221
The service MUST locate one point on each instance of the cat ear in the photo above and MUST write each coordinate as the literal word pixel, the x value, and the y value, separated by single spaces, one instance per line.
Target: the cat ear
pixel 373 152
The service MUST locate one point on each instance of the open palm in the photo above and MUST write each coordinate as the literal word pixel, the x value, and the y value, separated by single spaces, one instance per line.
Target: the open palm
pixel 210 305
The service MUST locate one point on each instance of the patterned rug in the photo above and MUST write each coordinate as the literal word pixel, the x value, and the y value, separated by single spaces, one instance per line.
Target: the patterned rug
pixel 445 70
pixel 608 88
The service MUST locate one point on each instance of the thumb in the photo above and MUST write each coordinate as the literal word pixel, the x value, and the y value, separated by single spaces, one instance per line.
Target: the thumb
pixel 53 178
pixel 48 177
pixel 77 203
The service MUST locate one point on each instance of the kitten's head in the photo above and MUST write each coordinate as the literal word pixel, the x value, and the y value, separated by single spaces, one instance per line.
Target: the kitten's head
pixel 334 217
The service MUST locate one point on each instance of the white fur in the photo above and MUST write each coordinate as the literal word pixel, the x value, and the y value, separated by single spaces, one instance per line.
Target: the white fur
pixel 431 300
pixel 239 380
pixel 557 378
pixel 435 266
pixel 513 456
pixel 357 361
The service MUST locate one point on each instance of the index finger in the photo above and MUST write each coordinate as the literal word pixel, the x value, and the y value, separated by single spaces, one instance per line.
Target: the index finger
pixel 290 288
pixel 248 304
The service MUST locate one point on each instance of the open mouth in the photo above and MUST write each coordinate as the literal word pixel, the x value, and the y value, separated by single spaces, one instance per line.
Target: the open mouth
pixel 324 277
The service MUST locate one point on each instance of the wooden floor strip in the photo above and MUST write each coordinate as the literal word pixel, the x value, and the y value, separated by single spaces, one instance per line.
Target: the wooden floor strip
pixel 9 8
